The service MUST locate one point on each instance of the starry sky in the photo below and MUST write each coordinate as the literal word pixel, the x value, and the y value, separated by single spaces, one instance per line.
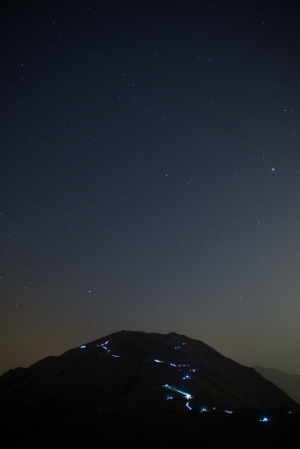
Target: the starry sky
pixel 150 175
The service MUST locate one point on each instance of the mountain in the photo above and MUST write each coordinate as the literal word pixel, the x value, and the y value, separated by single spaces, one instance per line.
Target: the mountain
pixel 289 383
pixel 122 385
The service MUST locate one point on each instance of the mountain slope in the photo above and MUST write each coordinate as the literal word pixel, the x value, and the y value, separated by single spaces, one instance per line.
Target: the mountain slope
pixel 289 383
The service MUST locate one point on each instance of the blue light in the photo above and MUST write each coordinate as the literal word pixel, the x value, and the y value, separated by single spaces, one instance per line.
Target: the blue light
pixel 188 405
pixel 83 346
pixel 158 361
pixel 264 419
pixel 186 395
pixel 117 356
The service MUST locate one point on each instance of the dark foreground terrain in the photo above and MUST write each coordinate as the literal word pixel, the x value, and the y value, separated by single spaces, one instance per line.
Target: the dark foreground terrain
pixel 150 422
pixel 133 389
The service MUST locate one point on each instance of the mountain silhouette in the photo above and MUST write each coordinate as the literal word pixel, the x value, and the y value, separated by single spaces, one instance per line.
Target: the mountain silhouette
pixel 289 383
pixel 127 377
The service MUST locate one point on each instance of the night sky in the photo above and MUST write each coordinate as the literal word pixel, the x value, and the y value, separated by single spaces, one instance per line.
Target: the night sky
pixel 150 175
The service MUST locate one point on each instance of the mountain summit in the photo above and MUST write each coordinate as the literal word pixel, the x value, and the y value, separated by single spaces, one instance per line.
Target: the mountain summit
pixel 127 372
pixel 126 363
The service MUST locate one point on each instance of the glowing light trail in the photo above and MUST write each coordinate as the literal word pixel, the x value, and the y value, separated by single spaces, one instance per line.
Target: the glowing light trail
pixel 186 395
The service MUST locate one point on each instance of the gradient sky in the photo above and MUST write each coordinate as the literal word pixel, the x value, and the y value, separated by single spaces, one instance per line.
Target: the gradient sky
pixel 150 175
